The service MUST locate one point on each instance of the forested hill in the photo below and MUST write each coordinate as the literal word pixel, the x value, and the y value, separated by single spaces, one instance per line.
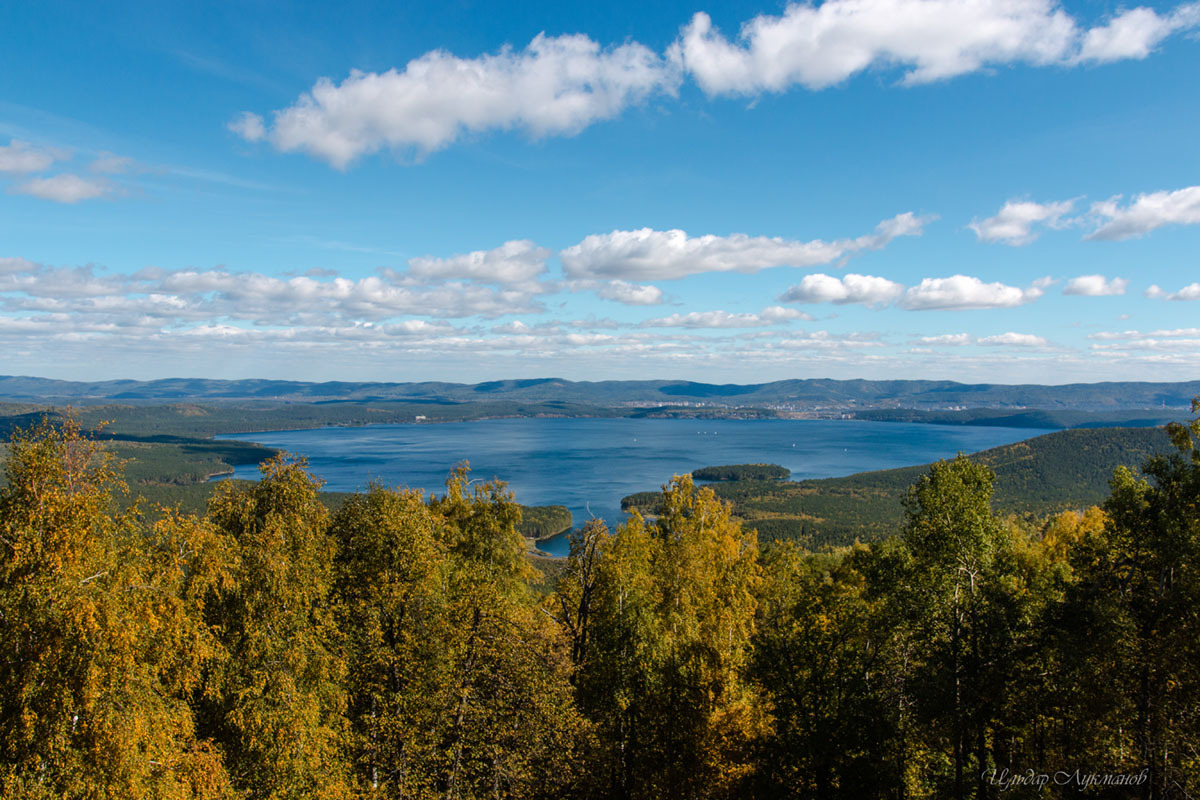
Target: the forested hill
pixel 1059 471
pixel 810 394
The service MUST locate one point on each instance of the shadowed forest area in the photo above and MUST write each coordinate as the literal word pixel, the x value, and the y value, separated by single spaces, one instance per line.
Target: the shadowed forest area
pixel 402 646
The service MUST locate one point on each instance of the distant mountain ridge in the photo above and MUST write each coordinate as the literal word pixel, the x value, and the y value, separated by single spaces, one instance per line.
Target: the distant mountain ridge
pixel 796 394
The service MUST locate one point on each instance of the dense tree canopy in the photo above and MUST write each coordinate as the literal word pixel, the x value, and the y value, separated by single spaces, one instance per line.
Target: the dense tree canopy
pixel 402 647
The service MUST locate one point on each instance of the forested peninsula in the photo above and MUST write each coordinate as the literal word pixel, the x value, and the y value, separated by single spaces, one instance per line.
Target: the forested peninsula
pixel 402 645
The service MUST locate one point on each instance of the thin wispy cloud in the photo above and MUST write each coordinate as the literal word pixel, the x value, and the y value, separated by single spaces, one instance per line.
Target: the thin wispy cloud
pixel 1174 333
pixel 20 157
pixel 64 188
pixel 774 315
pixel 112 164
pixel 1011 339
pixel 947 340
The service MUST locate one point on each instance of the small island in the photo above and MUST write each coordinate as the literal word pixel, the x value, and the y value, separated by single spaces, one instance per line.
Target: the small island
pixel 544 522
pixel 742 472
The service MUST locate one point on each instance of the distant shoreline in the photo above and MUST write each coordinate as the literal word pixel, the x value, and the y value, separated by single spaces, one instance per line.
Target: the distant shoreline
pixel 1034 419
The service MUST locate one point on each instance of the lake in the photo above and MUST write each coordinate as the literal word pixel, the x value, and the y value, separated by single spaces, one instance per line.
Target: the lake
pixel 588 465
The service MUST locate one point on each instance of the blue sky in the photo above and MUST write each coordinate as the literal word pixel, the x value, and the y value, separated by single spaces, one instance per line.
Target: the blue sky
pixel 978 190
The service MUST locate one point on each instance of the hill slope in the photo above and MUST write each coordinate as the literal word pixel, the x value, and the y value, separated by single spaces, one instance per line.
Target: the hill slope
pixel 1054 472
pixel 810 394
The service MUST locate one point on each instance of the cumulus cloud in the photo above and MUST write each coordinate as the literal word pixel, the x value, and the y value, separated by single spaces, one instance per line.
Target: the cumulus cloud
pixel 559 85
pixel 1015 223
pixel 513 262
pixel 1146 213
pixel 631 294
pixel 249 126
pixel 725 319
pixel 1189 292
pixel 865 289
pixel 1013 340
pixel 648 254
pixel 1095 286
pixel 10 265
pixel 959 292
pixel 63 188
pixel 773 314
pixel 21 157
pixel 554 86
pixel 817 46
pixel 1134 33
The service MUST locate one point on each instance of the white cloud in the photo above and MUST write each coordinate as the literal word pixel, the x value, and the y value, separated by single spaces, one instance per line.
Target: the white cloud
pixel 10 266
pixel 1189 292
pixel 648 254
pixel 1095 286
pixel 999 340
pixel 1186 340
pixel 631 294
pixel 818 46
pixel 1146 213
pixel 555 86
pixel 724 319
pixel 249 126
pixel 20 157
pixel 957 292
pixel 247 296
pixel 64 188
pixel 514 262
pixel 780 314
pixel 1135 335
pixel 824 340
pixel 61 282
pixel 1014 224
pixel 559 85
pixel 1134 33
pixel 947 339
pixel 960 292
pixel 866 289
pixel 1013 340
pixel 515 327
pixel 1189 346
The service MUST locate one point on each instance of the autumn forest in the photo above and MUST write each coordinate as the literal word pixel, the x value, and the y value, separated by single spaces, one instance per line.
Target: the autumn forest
pixel 404 646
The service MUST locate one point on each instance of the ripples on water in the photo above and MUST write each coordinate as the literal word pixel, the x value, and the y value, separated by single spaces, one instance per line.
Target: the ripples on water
pixel 588 465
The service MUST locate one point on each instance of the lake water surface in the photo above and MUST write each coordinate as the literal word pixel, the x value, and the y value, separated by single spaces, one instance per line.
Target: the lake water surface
pixel 588 465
